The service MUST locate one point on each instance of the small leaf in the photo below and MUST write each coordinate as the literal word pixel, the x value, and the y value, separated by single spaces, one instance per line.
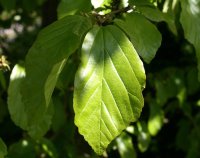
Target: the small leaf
pixel 190 21
pixel 106 100
pixel 45 61
pixel 143 34
pixel 144 137
pixel 169 84
pixel 69 7
pixel 156 118
pixel 3 149
pixel 125 146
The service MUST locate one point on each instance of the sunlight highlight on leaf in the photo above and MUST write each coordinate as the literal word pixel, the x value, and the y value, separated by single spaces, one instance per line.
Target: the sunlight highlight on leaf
pixel 105 99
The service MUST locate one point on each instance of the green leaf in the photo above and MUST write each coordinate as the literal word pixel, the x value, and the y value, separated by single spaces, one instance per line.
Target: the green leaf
pixel 44 63
pixel 143 34
pixel 15 105
pixel 190 21
pixel 144 137
pixel 17 108
pixel 169 84
pixel 108 86
pixel 156 118
pixel 152 12
pixel 69 7
pixel 125 146
pixel 3 149
pixel 22 148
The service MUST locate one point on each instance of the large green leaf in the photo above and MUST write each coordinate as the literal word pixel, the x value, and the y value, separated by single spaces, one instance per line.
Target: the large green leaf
pixel 190 20
pixel 143 34
pixel 108 86
pixel 45 61
pixel 17 108
pixel 69 7
pixel 3 149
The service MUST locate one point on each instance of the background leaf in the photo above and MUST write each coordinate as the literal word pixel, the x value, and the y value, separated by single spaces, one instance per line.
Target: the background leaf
pixel 144 137
pixel 17 108
pixel 146 39
pixel 44 63
pixel 125 146
pixel 190 20
pixel 156 118
pixel 3 149
pixel 105 99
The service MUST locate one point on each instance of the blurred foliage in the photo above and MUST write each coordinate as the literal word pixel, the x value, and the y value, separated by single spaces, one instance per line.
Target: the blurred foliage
pixel 169 125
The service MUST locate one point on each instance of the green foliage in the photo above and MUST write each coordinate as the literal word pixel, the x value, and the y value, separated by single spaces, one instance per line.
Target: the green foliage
pixel 146 39
pixel 59 48
pixel 82 80
pixel 104 98
pixel 68 7
pixel 125 146
pixel 190 21
pixel 3 148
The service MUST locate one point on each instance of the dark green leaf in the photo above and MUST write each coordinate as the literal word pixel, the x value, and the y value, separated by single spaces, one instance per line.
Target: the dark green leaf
pixel 3 149
pixel 15 104
pixel 144 35
pixel 23 148
pixel 69 7
pixel 108 86
pixel 17 108
pixel 190 20
pixel 44 63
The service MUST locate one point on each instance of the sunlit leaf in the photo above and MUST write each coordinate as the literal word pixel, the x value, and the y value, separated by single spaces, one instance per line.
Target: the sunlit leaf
pixel 3 149
pixel 125 146
pixel 144 137
pixel 156 118
pixel 190 20
pixel 44 63
pixel 108 86
pixel 145 39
